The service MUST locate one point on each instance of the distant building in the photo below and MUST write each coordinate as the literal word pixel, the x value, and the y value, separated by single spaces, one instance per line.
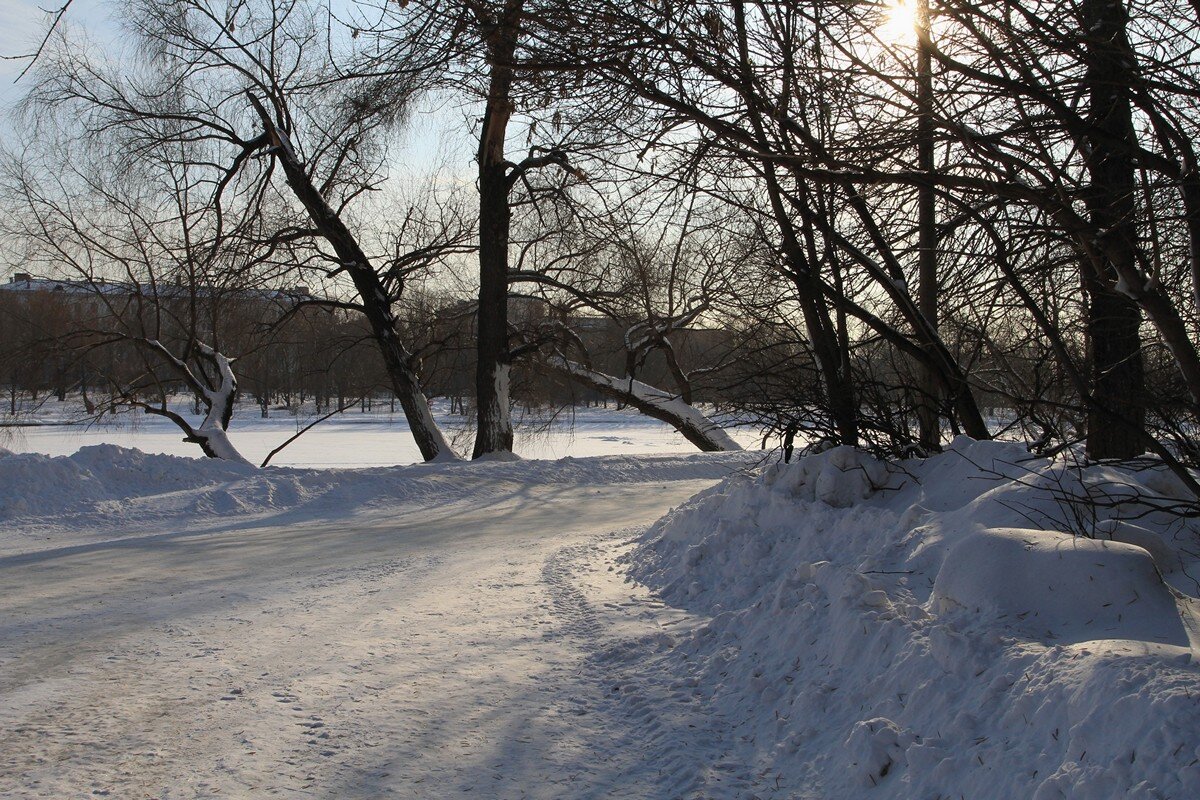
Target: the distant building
pixel 25 282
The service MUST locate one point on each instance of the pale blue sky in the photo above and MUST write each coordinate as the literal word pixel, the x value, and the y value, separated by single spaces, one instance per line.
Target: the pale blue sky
pixel 438 139
pixel 25 23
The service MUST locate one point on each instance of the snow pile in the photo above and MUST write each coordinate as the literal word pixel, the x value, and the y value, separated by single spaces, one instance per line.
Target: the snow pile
pixel 35 484
pixel 1052 587
pixel 104 492
pixel 938 628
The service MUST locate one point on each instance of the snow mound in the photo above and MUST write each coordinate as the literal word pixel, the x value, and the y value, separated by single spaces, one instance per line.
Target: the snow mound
pixel 105 492
pixel 839 477
pixel 875 747
pixel 93 478
pixel 936 627
pixel 1057 587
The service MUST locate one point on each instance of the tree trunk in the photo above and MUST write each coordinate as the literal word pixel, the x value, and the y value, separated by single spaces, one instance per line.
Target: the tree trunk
pixel 1117 428
pixel 375 303
pixel 213 433
pixel 928 402
pixel 653 402
pixel 822 336
pixel 494 431
pixel 839 389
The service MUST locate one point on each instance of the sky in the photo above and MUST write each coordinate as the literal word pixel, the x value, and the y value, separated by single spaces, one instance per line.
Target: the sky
pixel 437 140
pixel 25 23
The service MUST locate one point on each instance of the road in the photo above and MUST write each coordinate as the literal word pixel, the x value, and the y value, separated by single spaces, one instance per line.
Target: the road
pixel 422 651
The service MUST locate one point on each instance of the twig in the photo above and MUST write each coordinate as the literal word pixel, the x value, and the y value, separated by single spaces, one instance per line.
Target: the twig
pixel 306 428
pixel 33 57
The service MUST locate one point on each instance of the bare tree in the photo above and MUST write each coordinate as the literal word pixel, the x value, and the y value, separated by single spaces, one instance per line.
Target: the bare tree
pixel 136 262
pixel 629 284
pixel 489 52
pixel 262 67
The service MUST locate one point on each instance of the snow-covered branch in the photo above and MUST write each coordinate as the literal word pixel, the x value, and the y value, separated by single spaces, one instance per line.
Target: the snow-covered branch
pixel 651 401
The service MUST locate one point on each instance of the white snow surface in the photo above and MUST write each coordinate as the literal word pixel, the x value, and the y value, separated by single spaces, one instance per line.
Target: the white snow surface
pixel 183 628
pixel 107 492
pixel 928 630
pixel 351 439
pixel 837 627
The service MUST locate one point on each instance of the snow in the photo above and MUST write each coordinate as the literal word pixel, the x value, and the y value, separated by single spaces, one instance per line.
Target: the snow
pixel 98 478
pixel 106 492
pixel 285 144
pixel 409 632
pixel 838 627
pixel 1057 588
pixel 219 401
pixel 353 439
pixel 864 629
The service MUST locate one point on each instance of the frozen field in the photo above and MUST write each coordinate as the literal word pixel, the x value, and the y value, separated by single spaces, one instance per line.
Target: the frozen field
pixel 354 439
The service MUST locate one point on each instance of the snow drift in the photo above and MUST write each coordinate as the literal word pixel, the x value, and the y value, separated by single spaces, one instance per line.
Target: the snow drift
pixel 103 492
pixel 938 628
pixel 1051 587
pixel 32 484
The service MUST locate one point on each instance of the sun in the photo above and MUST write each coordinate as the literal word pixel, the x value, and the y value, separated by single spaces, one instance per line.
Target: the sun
pixel 899 23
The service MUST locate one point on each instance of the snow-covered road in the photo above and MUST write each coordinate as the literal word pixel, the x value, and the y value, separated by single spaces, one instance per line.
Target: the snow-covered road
pixel 830 628
pixel 422 651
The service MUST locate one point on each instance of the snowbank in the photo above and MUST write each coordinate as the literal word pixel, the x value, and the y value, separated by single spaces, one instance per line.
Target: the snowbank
pixel 104 492
pixel 32 484
pixel 938 628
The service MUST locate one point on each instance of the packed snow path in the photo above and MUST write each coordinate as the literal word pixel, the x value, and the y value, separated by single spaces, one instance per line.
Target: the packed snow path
pixel 435 649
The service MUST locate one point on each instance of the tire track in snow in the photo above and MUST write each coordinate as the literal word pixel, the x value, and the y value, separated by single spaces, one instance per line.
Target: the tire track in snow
pixel 674 746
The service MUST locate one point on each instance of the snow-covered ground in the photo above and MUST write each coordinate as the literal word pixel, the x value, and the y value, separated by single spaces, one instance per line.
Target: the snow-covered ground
pixel 833 628
pixel 932 629
pixel 351 439
pixel 183 629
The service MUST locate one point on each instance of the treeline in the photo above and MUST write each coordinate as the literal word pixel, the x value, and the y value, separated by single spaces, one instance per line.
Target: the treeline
pixel 58 339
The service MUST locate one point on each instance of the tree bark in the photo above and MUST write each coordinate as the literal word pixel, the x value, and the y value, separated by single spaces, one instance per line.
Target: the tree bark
pixel 928 418
pixel 1116 428
pixel 494 431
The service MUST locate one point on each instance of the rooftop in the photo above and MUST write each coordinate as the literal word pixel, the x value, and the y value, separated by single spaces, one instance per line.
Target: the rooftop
pixel 25 282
